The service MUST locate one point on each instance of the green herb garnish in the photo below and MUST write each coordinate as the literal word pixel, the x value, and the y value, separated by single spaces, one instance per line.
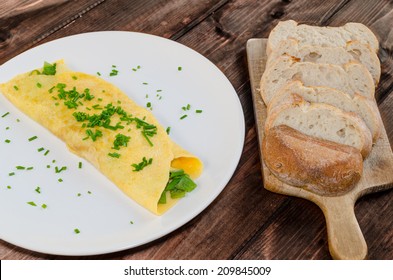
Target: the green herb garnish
pixel 198 111
pixel 178 185
pixel 168 130
pixel 120 141
pixel 6 114
pixel 80 165
pixel 7 140
pixel 139 166
pixel 49 69
pixel 16 88
pixel 39 85
pixel 115 155
pixel 19 167
pixel 40 149
pixel 58 170
pixel 11 174
pixel 179 68
pixel 31 203
pixel 77 231
pixel 32 138
pixel 38 189
pixel 183 117
pixel 44 206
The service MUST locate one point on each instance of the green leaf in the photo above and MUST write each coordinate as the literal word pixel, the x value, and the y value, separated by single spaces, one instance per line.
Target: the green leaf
pixel 176 193
pixel 162 199
pixel 49 69
pixel 186 184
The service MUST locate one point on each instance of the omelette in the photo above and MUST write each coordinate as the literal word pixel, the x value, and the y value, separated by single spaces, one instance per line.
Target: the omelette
pixel 100 123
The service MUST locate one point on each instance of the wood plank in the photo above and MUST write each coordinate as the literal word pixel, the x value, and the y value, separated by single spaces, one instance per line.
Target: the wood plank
pixel 164 18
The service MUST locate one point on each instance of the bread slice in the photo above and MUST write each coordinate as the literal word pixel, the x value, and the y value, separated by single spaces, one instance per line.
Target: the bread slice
pixel 321 36
pixel 322 167
pixel 352 51
pixel 364 107
pixel 325 122
pixel 352 78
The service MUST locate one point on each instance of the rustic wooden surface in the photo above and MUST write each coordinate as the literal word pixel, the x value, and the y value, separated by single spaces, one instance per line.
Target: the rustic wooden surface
pixel 245 221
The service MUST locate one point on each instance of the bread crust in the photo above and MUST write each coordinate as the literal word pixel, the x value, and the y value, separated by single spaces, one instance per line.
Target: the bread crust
pixel 300 106
pixel 319 166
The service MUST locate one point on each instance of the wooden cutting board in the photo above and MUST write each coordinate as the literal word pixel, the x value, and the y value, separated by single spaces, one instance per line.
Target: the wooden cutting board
pixel 345 237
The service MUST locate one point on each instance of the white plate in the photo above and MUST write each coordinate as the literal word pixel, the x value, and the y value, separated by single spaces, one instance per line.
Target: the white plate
pixel 104 215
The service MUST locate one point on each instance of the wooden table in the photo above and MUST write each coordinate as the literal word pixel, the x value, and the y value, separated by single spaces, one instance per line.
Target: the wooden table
pixel 245 221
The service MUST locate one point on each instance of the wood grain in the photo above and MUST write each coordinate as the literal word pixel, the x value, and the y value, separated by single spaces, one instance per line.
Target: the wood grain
pixel 245 221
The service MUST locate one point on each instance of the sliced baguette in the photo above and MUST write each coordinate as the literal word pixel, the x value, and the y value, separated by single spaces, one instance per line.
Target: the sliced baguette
pixel 352 78
pixel 322 167
pixel 353 51
pixel 323 121
pixel 364 107
pixel 321 36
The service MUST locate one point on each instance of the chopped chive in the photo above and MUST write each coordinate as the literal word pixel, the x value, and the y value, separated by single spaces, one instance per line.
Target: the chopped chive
pixel 138 67
pixel 32 138
pixel 18 120
pixel 40 149
pixel 7 128
pixel 99 99
pixel 79 194
pixel 7 140
pixel 57 104
pixel 58 170
pixel 74 77
pixel 43 206
pixel 31 203
pixel 159 90
pixel 6 114
pixel 139 166
pixel 77 231
pixel 115 155
pixel 89 192
pixel 145 83
pixel 53 161
pixel 60 180
pixel 80 165
pixel 39 85
pixel 48 166
pixel 9 187
pixel 98 73
pixel 198 111
pixel 20 167
pixel 148 104
pixel 131 222
pixel 168 130
pixel 16 88
pixel 179 68
pixel 38 189
pixel 183 117
pixel 30 168
pixel 114 72
pixel 134 69
pixel 47 152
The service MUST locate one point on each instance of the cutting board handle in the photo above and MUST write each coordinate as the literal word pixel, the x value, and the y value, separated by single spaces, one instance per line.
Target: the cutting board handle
pixel 346 241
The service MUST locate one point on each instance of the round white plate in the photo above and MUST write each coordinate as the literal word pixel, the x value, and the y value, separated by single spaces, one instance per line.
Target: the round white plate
pixel 150 69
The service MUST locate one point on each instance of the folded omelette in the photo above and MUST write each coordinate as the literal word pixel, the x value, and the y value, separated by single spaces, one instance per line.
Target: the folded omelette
pixel 98 122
